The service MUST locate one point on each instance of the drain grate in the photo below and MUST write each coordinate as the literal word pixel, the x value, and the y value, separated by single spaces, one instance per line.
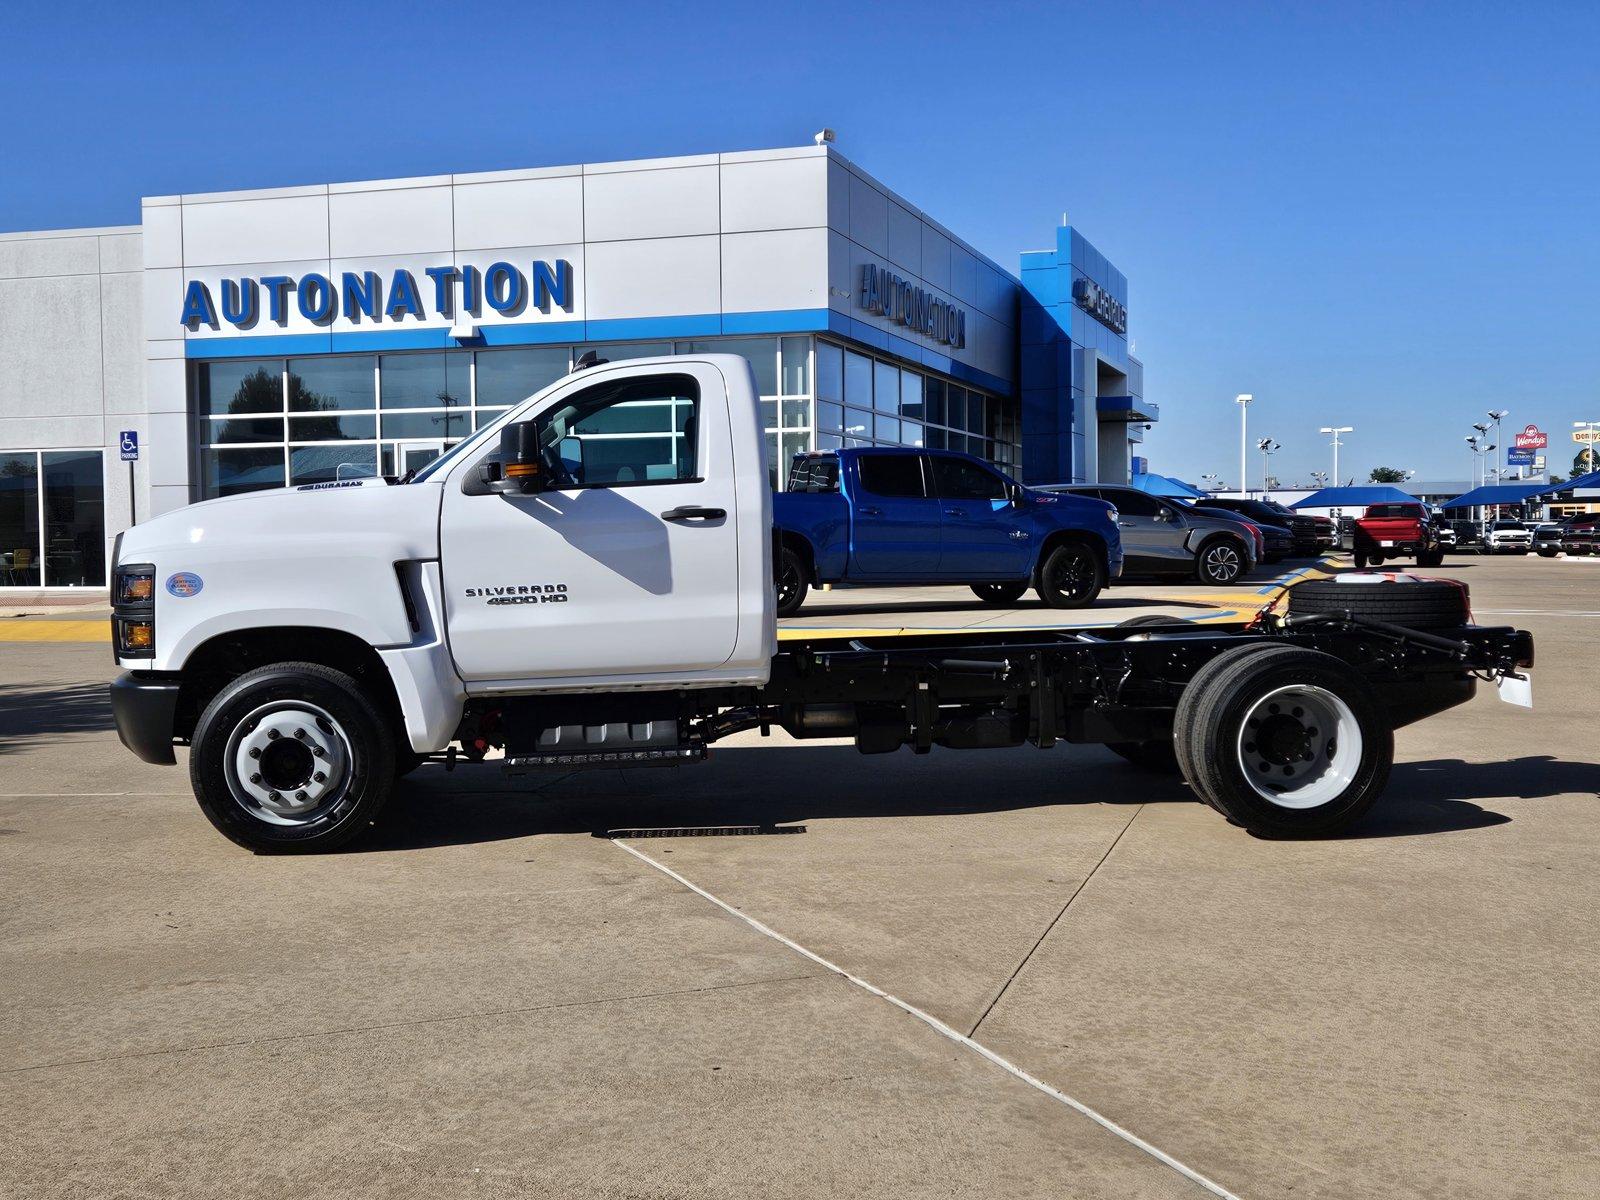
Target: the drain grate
pixel 704 831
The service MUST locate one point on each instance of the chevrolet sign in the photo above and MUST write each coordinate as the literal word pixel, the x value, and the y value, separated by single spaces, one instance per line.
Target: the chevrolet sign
pixel 1101 305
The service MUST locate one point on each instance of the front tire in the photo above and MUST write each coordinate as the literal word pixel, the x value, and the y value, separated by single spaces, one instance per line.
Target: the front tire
pixel 999 593
pixel 793 582
pixel 292 758
pixel 1221 562
pixel 1071 576
pixel 1286 742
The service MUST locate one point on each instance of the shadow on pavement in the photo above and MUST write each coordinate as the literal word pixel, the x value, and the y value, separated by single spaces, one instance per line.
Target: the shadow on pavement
pixel 43 712
pixel 780 785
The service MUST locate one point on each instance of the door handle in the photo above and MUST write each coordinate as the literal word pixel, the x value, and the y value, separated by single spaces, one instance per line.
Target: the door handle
pixel 871 512
pixel 955 512
pixel 689 512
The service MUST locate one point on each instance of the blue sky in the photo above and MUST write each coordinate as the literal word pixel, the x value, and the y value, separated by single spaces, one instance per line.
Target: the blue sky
pixel 1381 216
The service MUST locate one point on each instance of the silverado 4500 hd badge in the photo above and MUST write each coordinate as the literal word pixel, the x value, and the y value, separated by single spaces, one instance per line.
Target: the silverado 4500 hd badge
pixel 524 593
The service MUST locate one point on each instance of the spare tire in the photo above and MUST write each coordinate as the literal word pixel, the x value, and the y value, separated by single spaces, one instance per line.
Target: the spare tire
pixel 1400 599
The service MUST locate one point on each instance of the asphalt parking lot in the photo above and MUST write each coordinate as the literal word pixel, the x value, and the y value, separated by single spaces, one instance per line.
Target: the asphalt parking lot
pixel 484 998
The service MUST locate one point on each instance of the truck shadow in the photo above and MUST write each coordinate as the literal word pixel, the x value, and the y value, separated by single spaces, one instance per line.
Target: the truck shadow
pixel 786 784
pixel 33 714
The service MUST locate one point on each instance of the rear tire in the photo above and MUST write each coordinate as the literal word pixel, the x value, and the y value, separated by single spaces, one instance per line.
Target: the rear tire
pixel 1430 559
pixel 1361 561
pixel 793 582
pixel 1071 576
pixel 999 593
pixel 1288 742
pixel 292 758
pixel 1221 561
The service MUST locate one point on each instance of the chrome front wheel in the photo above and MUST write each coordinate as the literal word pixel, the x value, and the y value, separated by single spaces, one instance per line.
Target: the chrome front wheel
pixel 1221 562
pixel 1299 746
pixel 288 762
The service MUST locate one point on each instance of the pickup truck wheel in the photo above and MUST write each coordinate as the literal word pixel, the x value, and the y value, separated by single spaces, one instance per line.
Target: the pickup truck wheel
pixel 1221 561
pixel 1361 561
pixel 792 582
pixel 1071 576
pixel 999 593
pixel 1289 743
pixel 292 758
pixel 1430 558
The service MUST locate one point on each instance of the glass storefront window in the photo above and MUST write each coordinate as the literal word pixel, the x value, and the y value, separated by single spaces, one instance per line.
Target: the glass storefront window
pixel 857 380
pixel 933 394
pixel 322 464
pixel 508 377
pixel 885 387
pixel 264 429
pixel 796 366
pixel 229 472
pixel 796 414
pixel 74 518
pixel 427 426
pixel 424 380
pixel 829 416
pixel 19 520
pixel 240 385
pixel 911 395
pixel 52 518
pixel 830 372
pixel 331 384
pixel 362 428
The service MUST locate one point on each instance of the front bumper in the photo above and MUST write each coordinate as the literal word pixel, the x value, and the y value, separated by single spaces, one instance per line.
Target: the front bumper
pixel 144 708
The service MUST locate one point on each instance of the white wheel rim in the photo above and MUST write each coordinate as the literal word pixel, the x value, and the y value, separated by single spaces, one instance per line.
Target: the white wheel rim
pixel 288 762
pixel 1299 746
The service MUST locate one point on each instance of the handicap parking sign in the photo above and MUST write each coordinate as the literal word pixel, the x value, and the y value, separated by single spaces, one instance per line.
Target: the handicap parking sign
pixel 130 444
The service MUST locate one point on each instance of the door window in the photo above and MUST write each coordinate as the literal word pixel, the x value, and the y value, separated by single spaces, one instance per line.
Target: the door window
pixel 893 475
pixel 958 479
pixel 1131 503
pixel 635 431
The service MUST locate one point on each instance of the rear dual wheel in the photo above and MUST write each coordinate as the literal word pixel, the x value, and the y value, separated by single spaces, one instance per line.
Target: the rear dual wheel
pixel 1284 741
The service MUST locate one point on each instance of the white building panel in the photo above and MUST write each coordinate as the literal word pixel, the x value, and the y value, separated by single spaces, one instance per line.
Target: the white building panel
pixel 121 253
pixel 671 202
pixel 390 221
pixel 163 303
pixel 905 238
pixel 782 193
pixel 519 212
pixel 935 257
pixel 277 229
pixel 163 235
pixel 40 257
pixel 661 277
pixel 869 216
pixel 839 178
pixel 774 270
pixel 843 274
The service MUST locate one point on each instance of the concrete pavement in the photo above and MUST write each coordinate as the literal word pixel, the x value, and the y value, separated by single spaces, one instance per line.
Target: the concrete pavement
pixel 483 998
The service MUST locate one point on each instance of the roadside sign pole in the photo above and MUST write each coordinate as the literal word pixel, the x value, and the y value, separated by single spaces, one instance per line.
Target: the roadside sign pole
pixel 128 444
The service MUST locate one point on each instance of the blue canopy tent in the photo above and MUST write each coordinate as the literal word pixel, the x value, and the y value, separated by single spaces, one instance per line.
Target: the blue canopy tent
pixel 1501 493
pixel 1355 497
pixel 1162 485
pixel 1591 480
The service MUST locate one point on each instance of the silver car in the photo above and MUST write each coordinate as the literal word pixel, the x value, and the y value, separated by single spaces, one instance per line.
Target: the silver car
pixel 1164 538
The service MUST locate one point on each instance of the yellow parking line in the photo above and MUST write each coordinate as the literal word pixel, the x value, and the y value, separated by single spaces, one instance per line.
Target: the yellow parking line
pixel 26 629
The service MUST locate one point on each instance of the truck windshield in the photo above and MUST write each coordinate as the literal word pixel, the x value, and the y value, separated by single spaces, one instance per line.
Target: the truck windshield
pixel 445 460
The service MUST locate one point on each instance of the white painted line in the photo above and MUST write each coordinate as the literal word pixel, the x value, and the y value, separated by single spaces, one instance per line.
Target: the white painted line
pixel 1133 1139
pixel 1537 612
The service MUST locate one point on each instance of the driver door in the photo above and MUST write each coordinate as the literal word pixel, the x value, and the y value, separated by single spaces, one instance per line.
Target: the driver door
pixel 627 564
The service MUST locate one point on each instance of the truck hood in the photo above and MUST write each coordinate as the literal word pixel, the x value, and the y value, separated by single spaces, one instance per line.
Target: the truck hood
pixel 306 523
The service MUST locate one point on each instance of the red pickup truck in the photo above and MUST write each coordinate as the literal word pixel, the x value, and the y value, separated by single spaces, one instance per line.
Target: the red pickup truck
pixel 1394 531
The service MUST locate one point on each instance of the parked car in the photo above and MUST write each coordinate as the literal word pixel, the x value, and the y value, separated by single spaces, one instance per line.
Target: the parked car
pixel 1387 531
pixel 1547 539
pixel 1163 538
pixel 1302 529
pixel 1580 537
pixel 1469 538
pixel 1274 543
pixel 1327 533
pixel 888 516
pixel 1509 537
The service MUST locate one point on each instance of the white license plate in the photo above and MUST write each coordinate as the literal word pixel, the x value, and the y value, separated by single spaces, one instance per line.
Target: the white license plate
pixel 1385 543
pixel 1516 689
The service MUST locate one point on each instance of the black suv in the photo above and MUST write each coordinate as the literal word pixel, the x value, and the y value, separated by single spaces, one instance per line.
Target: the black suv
pixel 1303 529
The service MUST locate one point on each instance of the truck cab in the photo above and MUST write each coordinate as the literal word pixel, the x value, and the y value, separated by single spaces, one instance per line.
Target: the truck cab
pixel 888 516
pixel 1398 530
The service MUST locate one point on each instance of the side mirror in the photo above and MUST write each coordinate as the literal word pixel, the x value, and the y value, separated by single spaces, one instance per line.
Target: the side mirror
pixel 520 470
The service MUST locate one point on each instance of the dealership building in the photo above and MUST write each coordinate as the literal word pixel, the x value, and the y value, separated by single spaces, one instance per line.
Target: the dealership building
pixel 241 340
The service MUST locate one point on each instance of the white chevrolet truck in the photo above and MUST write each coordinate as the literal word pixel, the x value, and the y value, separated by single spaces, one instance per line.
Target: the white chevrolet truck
pixel 588 582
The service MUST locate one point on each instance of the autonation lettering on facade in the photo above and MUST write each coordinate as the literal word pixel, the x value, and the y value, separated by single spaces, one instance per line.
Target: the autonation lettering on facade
pixel 503 287
pixel 906 304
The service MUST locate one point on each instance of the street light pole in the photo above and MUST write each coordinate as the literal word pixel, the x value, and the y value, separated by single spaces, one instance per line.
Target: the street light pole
pixel 1266 445
pixel 1336 430
pixel 1243 400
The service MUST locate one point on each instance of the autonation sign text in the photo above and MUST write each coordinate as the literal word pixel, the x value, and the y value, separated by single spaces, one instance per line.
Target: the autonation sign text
pixel 365 295
pixel 1101 305
pixel 906 304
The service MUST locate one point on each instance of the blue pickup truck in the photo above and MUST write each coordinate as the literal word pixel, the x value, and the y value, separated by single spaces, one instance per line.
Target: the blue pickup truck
pixel 885 516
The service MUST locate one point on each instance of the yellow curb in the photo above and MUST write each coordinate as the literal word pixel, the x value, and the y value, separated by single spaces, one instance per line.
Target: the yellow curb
pixel 27 630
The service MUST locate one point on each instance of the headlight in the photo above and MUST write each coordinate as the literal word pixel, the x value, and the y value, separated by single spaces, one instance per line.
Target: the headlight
pixel 1112 515
pixel 133 616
